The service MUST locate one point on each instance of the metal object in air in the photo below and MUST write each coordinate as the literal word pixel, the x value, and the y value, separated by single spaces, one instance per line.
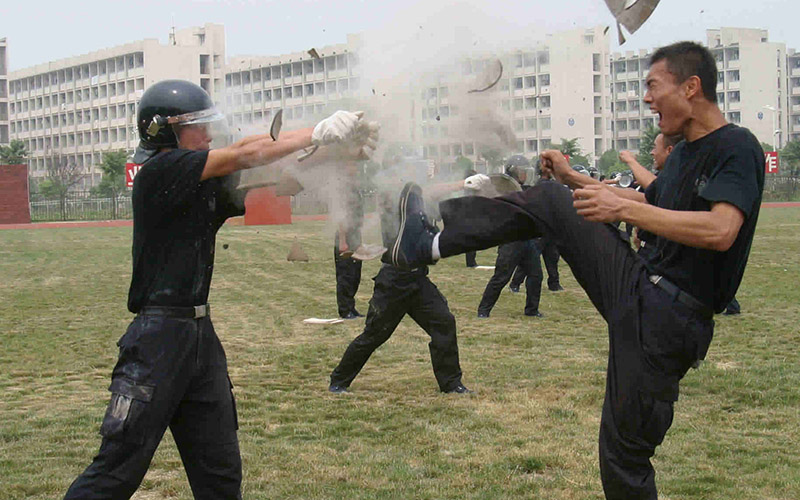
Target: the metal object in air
pixel 489 77
pixel 631 14
pixel 277 123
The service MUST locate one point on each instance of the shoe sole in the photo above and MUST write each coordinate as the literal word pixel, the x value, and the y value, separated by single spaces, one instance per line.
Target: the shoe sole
pixel 403 217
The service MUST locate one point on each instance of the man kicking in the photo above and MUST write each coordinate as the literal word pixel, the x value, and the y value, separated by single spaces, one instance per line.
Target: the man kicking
pixel 407 290
pixel 703 208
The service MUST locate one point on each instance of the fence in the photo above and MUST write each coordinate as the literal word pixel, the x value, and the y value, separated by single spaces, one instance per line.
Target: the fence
pixel 80 206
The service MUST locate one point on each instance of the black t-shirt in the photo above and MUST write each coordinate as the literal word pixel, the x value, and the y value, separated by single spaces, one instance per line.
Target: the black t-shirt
pixel 726 165
pixel 175 222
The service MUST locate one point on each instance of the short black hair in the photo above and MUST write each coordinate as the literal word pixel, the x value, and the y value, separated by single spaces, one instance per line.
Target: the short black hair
pixel 687 59
pixel 672 140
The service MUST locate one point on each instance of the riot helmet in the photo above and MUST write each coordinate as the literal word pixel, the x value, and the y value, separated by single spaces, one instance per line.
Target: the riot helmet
pixel 516 166
pixel 167 104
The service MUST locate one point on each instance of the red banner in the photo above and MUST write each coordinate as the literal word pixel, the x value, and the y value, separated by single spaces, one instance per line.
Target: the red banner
pixel 131 169
pixel 771 158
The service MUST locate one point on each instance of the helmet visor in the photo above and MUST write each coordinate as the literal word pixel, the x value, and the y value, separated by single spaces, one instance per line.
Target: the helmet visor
pixel 208 131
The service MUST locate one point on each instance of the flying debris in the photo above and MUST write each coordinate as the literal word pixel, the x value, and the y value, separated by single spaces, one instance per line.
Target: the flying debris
pixel 313 53
pixel 438 118
pixel 489 77
pixel 277 123
pixel 631 14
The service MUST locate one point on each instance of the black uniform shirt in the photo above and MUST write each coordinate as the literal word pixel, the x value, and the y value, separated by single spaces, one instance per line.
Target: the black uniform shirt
pixel 175 222
pixel 726 165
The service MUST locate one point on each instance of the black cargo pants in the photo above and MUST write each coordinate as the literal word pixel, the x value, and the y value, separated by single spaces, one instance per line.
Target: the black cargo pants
pixel 348 277
pixel 396 294
pixel 524 254
pixel 653 338
pixel 171 372
pixel 550 256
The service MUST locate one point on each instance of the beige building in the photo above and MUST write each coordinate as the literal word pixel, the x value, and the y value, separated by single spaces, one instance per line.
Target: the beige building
pixel 793 93
pixel 4 132
pixel 74 109
pixel 303 86
pixel 753 87
pixel 549 91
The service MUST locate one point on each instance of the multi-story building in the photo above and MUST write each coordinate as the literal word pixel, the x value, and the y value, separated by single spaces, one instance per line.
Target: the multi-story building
pixel 752 87
pixel 300 84
pixel 549 91
pixel 793 93
pixel 4 135
pixel 74 109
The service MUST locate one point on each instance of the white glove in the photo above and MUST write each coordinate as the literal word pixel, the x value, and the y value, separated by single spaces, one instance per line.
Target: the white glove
pixel 338 127
pixel 477 182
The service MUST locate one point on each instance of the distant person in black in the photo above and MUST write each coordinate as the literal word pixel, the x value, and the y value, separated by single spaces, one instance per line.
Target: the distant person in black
pixel 550 256
pixel 172 371
pixel 471 257
pixel 400 291
pixel 346 240
pixel 703 207
pixel 524 254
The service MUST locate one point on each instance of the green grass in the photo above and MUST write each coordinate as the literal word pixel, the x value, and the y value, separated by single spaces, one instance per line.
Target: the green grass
pixel 529 432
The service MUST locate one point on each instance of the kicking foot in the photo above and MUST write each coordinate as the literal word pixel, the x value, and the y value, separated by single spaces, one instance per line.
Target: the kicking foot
pixel 414 242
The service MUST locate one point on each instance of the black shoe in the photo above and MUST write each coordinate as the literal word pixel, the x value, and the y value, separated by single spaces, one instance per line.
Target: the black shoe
pixel 514 289
pixel 357 314
pixel 459 389
pixel 535 314
pixel 483 314
pixel 414 242
pixel 352 315
pixel 337 389
pixel 556 288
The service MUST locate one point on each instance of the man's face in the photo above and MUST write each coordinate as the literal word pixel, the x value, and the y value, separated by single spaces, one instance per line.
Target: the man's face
pixel 659 152
pixel 668 98
pixel 195 137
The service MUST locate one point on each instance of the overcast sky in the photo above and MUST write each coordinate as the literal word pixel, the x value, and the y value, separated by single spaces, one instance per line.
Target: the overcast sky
pixel 39 31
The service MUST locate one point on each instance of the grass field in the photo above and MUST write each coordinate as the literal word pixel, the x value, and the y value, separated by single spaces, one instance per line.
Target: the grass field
pixel 530 431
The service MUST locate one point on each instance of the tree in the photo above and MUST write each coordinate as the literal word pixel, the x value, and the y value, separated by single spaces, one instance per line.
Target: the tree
pixel 790 154
pixel 464 164
pixel 767 147
pixel 646 143
pixel 569 147
pixel 493 157
pixel 113 181
pixel 62 175
pixel 610 163
pixel 13 154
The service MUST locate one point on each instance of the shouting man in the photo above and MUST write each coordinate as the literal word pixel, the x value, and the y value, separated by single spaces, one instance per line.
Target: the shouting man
pixel 703 209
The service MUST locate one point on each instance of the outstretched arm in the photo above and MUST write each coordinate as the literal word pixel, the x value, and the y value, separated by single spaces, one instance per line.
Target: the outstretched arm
pixel 643 176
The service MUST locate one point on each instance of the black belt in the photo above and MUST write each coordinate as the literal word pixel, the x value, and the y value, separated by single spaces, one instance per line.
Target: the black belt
pixel 195 312
pixel 681 296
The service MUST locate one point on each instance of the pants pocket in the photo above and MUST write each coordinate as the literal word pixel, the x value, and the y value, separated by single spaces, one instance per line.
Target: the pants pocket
pixel 125 417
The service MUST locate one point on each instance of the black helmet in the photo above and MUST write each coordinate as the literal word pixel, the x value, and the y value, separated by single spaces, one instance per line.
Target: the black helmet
pixel 171 102
pixel 515 167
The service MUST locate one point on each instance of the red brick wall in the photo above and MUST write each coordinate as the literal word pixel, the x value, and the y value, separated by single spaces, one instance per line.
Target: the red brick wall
pixel 14 207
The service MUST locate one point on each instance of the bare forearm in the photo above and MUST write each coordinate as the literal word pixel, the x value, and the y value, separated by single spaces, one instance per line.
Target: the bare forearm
pixel 252 153
pixel 711 230
pixel 643 176
pixel 437 191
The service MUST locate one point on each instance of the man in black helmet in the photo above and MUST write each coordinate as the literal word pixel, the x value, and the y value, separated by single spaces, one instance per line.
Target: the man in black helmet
pixel 516 253
pixel 172 371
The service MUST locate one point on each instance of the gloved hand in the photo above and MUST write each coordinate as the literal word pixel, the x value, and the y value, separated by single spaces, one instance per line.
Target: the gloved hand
pixel 477 182
pixel 338 127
